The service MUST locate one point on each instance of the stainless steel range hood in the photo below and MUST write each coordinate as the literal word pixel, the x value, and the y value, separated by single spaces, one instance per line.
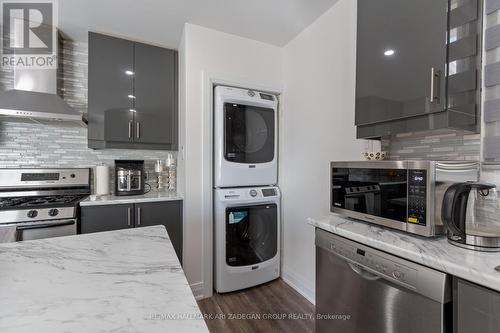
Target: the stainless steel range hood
pixel 34 98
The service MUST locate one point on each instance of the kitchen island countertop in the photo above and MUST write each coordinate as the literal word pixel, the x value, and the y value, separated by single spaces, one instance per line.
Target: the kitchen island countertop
pixel 117 281
pixel 437 253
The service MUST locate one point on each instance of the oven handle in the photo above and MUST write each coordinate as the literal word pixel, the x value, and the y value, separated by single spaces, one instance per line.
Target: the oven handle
pixel 20 229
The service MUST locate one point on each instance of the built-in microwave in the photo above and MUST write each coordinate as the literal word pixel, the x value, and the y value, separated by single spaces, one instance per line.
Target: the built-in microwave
pixel 404 195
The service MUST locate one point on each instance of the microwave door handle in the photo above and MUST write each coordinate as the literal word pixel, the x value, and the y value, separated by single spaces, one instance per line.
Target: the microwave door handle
pixel 20 229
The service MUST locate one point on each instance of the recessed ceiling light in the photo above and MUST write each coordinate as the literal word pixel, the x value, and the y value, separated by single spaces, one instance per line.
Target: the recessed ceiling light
pixel 129 72
pixel 389 52
pixel 133 110
pixel 131 96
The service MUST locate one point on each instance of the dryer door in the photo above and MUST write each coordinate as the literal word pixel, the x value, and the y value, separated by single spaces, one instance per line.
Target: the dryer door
pixel 251 234
pixel 249 133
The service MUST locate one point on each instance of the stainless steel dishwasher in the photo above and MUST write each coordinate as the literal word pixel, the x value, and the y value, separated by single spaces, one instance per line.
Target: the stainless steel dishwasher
pixel 360 289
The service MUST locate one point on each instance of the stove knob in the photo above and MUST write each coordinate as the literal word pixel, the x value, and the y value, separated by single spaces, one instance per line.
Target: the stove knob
pixel 72 175
pixel 253 193
pixel 32 214
pixel 53 212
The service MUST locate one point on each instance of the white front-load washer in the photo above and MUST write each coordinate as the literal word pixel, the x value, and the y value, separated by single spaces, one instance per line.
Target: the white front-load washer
pixel 246 237
pixel 245 137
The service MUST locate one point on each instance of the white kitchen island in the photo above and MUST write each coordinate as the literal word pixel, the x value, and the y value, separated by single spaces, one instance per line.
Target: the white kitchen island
pixel 118 281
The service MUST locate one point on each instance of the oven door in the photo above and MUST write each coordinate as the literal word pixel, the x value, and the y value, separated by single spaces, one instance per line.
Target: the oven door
pixel 251 234
pixel 36 230
pixel 249 133
pixel 371 193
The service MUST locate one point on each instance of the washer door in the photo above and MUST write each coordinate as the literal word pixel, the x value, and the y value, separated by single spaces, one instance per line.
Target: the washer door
pixel 251 234
pixel 248 133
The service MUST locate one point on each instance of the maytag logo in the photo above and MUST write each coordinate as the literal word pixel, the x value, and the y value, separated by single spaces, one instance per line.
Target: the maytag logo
pixel 29 31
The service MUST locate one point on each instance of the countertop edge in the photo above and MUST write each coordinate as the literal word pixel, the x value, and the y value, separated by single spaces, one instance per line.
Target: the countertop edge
pixel 115 200
pixel 431 252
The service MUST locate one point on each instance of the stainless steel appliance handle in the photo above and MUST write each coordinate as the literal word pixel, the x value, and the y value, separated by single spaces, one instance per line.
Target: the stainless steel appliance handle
pixel 129 215
pixel 139 216
pixel 130 128
pixel 363 273
pixel 129 181
pixel 20 229
pixel 138 129
pixel 456 167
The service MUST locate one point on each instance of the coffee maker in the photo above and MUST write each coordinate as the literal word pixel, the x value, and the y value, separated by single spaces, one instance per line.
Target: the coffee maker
pixel 129 177
pixel 466 225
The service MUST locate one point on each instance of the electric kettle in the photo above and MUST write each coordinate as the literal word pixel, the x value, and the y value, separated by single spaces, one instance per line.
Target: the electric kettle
pixel 461 215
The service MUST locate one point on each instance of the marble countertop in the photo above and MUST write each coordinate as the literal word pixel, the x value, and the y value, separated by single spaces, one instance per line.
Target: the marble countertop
pixel 437 253
pixel 116 200
pixel 118 281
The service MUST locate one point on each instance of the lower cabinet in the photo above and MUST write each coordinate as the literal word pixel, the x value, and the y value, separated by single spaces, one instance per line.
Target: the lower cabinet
pixel 115 217
pixel 106 218
pixel 476 308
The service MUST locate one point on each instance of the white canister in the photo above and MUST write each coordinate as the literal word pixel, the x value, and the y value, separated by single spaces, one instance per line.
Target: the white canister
pixel 101 180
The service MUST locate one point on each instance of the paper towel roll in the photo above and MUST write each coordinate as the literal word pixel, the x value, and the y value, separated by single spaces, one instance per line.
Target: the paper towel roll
pixel 101 180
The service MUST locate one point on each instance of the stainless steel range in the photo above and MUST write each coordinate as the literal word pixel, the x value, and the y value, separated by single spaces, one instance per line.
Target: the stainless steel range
pixel 40 203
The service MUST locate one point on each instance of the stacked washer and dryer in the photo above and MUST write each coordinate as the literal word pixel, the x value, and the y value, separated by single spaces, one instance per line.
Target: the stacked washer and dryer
pixel 246 198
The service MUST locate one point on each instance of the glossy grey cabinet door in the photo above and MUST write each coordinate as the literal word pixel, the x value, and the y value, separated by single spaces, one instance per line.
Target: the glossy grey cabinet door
pixel 106 218
pixel 477 308
pixel 401 57
pixel 109 87
pixel 167 213
pixel 156 95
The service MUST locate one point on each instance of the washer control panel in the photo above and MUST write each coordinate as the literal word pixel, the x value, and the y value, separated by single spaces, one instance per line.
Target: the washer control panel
pixel 254 193
pixel 365 259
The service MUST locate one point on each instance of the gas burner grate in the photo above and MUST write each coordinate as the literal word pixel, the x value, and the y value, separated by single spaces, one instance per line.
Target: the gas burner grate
pixel 22 202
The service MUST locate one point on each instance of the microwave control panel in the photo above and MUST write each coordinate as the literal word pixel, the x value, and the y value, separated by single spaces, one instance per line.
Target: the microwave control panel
pixel 417 196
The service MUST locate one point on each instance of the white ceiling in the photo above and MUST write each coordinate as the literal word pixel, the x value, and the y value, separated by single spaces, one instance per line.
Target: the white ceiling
pixel 161 21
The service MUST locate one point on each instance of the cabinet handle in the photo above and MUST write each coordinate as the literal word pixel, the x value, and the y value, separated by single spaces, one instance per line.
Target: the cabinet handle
pixel 138 216
pixel 130 128
pixel 129 213
pixel 435 87
pixel 138 129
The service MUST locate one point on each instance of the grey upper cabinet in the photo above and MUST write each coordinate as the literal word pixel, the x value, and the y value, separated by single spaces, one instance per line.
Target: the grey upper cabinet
pixel 109 88
pixel 132 95
pixel 415 68
pixel 156 95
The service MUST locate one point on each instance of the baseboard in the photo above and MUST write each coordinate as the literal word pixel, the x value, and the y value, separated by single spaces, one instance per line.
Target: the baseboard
pixel 299 284
pixel 197 289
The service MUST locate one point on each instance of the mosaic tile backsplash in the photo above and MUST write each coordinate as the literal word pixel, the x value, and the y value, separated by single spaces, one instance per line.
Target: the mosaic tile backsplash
pixel 433 145
pixel 42 145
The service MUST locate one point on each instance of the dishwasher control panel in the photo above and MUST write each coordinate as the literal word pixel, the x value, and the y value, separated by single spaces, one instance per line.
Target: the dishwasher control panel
pixel 364 258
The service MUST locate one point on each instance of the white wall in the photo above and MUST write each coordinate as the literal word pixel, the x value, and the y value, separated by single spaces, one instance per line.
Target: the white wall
pixel 206 54
pixel 317 126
